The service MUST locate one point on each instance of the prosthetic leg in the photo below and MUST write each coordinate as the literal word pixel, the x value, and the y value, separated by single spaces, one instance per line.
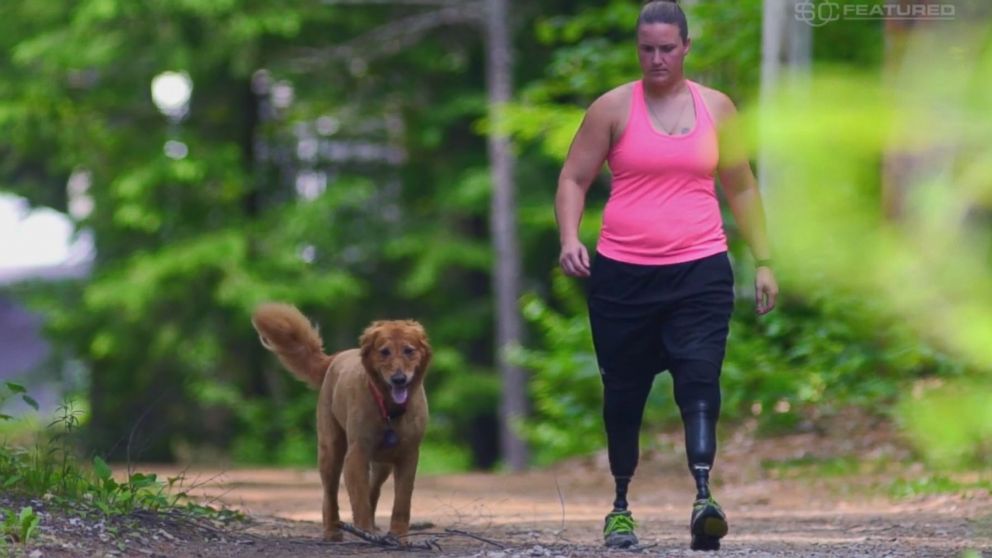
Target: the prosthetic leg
pixel 707 524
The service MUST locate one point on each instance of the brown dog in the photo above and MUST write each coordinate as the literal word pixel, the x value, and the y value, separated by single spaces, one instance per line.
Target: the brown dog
pixel 371 411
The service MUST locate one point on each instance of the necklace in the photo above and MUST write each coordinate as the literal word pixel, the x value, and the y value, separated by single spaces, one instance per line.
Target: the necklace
pixel 662 123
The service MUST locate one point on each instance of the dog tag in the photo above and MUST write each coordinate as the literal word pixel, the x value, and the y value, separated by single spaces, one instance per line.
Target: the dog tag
pixel 390 439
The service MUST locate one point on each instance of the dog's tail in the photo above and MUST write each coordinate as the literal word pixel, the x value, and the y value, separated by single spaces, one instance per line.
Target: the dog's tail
pixel 286 332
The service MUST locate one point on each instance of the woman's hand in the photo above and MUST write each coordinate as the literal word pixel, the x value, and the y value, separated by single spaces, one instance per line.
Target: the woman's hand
pixel 574 259
pixel 765 290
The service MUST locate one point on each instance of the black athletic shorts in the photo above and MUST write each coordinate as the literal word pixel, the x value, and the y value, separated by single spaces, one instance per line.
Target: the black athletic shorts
pixel 649 318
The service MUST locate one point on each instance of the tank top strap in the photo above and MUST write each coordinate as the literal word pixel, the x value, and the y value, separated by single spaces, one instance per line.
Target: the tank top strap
pixel 637 117
pixel 703 116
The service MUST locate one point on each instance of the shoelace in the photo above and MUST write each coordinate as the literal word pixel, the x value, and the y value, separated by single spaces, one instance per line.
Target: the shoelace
pixel 620 523
pixel 707 502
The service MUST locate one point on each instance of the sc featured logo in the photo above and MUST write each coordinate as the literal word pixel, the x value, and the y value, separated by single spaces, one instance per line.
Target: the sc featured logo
pixel 817 14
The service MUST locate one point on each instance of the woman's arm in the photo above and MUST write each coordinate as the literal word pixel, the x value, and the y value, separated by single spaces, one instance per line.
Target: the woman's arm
pixel 744 198
pixel 584 161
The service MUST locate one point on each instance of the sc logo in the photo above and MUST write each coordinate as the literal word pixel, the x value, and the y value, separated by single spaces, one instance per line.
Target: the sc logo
pixel 817 14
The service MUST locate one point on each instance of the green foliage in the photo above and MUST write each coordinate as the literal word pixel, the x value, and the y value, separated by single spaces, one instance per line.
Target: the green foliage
pixel 18 527
pixel 935 484
pixel 295 446
pixel 825 352
pixel 443 458
pixel 953 444
pixel 142 491
pixel 726 47
pixel 858 43
pixel 51 470
pixel 565 385
pixel 11 389
pixel 929 270
pixel 186 248
pixel 818 468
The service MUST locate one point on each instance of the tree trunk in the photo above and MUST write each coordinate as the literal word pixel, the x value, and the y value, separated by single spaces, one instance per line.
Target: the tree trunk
pixel 506 264
pixel 786 51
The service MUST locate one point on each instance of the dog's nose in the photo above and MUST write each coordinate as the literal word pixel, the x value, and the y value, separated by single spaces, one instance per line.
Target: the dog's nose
pixel 398 379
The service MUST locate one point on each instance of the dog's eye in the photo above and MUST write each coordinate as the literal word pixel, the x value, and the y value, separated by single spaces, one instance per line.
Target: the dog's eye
pixel 384 352
pixel 408 351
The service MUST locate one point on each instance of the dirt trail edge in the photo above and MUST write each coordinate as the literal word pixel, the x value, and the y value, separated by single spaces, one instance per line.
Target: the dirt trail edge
pixel 777 507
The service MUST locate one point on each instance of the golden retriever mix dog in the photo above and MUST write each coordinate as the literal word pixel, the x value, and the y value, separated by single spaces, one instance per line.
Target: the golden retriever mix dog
pixel 371 410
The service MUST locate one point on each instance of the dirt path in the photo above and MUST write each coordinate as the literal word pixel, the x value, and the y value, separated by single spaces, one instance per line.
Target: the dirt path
pixel 560 514
pixel 774 511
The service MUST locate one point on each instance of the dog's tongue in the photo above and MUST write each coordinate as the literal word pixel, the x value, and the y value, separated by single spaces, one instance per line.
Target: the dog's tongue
pixel 399 395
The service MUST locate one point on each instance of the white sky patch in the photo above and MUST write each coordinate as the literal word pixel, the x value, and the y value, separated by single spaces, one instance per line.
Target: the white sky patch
pixel 37 238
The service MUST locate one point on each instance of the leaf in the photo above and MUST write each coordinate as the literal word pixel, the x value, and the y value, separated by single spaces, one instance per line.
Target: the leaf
pixel 30 401
pixel 139 481
pixel 28 521
pixel 109 485
pixel 103 471
pixel 15 388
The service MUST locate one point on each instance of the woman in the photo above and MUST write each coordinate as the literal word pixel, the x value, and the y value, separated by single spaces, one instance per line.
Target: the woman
pixel 661 286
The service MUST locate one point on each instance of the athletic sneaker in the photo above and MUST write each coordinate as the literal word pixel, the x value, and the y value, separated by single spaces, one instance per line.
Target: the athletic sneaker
pixel 708 524
pixel 618 532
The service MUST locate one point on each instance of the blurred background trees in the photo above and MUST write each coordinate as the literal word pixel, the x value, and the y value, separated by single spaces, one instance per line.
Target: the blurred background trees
pixel 333 154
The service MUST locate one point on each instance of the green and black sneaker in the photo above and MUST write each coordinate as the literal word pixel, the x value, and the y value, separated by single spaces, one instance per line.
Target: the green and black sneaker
pixel 618 532
pixel 708 524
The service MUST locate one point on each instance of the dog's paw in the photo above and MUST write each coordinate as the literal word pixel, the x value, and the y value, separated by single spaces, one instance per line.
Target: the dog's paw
pixel 333 536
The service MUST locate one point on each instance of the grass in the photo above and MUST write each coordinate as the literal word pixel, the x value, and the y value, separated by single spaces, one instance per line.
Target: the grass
pixel 18 528
pixel 934 484
pixel 821 467
pixel 900 483
pixel 49 470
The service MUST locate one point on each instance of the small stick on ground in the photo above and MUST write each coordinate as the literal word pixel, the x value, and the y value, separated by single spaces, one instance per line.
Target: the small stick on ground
pixel 476 537
pixel 561 500
pixel 454 533
pixel 387 541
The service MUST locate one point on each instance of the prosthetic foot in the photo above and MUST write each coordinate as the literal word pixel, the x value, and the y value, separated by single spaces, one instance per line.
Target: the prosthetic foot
pixel 708 524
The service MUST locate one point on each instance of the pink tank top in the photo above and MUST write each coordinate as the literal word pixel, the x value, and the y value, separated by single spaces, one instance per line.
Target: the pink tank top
pixel 663 207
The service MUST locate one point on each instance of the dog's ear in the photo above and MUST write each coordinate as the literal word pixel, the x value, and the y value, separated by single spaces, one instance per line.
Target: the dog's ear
pixel 367 343
pixel 423 345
